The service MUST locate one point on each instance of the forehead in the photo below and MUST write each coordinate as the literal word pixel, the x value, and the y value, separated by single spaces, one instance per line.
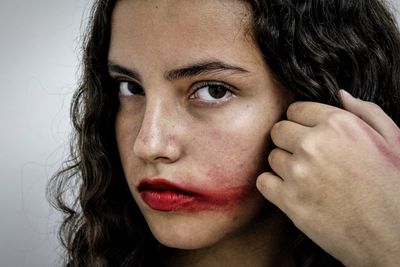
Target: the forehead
pixel 188 27
pixel 188 15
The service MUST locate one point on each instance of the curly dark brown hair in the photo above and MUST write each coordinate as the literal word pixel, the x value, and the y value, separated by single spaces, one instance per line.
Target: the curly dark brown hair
pixel 313 47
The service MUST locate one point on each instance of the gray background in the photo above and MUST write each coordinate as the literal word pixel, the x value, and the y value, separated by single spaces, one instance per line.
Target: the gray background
pixel 40 42
pixel 39 55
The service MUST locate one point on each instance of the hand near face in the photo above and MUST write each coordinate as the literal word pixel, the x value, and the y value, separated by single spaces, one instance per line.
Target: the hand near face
pixel 337 177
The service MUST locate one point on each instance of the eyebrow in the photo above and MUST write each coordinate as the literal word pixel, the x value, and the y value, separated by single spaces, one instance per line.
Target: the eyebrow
pixel 113 67
pixel 184 72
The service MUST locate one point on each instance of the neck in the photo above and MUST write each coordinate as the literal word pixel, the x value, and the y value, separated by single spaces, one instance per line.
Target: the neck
pixel 266 242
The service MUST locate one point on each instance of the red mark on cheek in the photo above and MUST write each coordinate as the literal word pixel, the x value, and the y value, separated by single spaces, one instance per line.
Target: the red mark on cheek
pixel 224 199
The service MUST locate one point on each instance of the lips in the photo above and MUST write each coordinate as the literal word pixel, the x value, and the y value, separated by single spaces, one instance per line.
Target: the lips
pixel 163 195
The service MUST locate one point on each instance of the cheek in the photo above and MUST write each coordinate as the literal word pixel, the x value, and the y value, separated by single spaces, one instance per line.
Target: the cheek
pixel 123 134
pixel 233 157
pixel 230 176
pixel 127 122
pixel 126 131
pixel 233 187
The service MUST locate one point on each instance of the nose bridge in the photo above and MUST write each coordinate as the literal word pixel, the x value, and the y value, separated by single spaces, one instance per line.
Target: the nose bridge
pixel 154 123
pixel 156 139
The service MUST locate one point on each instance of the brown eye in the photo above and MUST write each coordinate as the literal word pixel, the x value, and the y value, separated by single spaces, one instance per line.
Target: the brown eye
pixel 212 93
pixel 217 91
pixel 127 88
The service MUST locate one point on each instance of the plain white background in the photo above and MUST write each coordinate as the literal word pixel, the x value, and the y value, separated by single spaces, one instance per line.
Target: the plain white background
pixel 39 55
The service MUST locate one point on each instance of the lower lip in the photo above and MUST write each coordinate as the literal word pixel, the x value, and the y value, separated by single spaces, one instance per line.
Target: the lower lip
pixel 168 200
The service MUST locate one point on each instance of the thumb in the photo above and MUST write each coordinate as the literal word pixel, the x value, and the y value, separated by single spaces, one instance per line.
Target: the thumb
pixel 370 113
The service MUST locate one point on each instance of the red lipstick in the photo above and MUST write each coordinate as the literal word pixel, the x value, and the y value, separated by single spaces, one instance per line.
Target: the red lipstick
pixel 163 195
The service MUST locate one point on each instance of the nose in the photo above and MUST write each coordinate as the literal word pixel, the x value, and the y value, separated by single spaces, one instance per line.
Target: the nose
pixel 157 140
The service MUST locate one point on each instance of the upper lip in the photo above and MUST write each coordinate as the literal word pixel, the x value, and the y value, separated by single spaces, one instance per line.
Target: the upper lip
pixel 160 184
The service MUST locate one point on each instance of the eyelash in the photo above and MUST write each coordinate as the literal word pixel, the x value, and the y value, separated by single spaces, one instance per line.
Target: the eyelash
pixel 129 93
pixel 197 87
pixel 228 90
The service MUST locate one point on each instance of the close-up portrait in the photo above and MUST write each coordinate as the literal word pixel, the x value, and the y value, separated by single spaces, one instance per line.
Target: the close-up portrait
pixel 220 133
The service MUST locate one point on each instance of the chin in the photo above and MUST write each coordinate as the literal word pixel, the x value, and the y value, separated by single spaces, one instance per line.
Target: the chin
pixel 187 236
pixel 188 243
pixel 202 229
pixel 189 231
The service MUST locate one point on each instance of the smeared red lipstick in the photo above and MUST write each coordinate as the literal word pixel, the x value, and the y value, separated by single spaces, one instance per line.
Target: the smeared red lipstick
pixel 163 195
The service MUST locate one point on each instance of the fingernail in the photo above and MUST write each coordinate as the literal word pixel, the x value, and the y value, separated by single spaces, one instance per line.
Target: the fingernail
pixel 343 93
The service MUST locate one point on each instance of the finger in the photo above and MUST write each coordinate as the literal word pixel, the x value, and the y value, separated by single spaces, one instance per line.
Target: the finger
pixel 287 134
pixel 372 114
pixel 310 113
pixel 279 160
pixel 271 187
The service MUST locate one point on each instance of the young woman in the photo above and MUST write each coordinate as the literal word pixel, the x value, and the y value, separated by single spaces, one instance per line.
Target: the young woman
pixel 215 133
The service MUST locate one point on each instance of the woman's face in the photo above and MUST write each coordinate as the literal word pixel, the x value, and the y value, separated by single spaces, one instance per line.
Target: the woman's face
pixel 197 102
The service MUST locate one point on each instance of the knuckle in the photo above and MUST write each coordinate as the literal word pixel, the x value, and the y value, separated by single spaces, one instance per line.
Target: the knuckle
pixel 272 157
pixel 275 130
pixel 262 182
pixel 340 125
pixel 307 145
pixel 339 121
pixel 336 117
pixel 293 108
pixel 298 171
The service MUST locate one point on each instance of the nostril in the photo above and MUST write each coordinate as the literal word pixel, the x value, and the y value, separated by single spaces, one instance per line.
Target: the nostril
pixel 163 159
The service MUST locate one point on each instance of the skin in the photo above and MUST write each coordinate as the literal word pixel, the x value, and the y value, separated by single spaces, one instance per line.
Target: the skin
pixel 340 170
pixel 175 131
